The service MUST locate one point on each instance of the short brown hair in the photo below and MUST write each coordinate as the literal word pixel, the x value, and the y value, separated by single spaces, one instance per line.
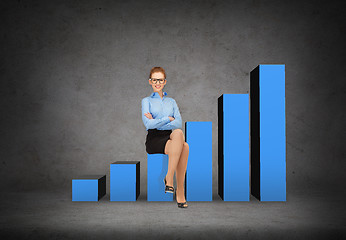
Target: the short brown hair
pixel 157 69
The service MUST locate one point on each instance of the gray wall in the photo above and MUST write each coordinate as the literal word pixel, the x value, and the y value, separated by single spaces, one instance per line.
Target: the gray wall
pixel 73 76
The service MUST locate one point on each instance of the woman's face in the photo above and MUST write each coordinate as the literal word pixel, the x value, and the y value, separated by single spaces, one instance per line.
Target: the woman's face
pixel 157 87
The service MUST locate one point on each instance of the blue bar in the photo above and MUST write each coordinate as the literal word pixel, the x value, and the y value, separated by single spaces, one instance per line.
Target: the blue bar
pixel 268 82
pixel 235 166
pixel 157 170
pixel 88 188
pixel 199 166
pixel 124 180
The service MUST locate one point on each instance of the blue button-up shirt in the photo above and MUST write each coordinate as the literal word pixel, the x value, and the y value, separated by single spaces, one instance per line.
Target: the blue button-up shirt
pixel 160 109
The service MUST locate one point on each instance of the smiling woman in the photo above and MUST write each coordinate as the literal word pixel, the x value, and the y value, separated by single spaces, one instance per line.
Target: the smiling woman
pixel 162 119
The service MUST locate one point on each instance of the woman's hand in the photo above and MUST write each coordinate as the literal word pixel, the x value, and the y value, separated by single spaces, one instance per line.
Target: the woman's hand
pixel 171 118
pixel 148 115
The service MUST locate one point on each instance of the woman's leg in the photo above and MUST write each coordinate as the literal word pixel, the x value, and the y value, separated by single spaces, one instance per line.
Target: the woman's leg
pixel 173 148
pixel 180 172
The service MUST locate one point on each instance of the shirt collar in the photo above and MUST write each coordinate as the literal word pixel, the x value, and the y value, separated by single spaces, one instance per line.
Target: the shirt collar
pixel 156 94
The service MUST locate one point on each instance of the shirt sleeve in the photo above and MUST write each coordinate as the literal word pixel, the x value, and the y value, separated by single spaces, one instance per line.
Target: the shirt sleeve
pixel 177 122
pixel 151 123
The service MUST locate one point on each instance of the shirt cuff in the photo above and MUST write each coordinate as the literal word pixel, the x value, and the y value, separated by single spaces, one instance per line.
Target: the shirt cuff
pixel 166 120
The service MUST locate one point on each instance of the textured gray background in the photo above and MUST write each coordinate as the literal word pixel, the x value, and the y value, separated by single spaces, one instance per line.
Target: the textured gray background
pixel 73 76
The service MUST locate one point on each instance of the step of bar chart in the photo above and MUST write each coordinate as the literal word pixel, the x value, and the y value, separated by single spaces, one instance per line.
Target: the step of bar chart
pixel 124 181
pixel 268 137
pixel 233 144
pixel 88 188
pixel 199 180
pixel 157 166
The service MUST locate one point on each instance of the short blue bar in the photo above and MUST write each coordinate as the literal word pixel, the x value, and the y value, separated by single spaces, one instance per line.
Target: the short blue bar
pixel 236 165
pixel 199 166
pixel 84 190
pixel 124 181
pixel 157 169
pixel 88 188
pixel 268 86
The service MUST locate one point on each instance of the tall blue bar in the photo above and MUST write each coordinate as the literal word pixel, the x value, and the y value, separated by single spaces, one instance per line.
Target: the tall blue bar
pixel 268 133
pixel 199 181
pixel 88 188
pixel 157 169
pixel 124 180
pixel 233 156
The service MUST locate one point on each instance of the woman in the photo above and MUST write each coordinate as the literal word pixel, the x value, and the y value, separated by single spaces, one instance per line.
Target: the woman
pixel 160 115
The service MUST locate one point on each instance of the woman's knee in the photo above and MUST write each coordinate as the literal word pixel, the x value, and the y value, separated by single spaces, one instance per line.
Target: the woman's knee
pixel 177 133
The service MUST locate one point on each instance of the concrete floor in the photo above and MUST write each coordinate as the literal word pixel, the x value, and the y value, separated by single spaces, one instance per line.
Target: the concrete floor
pixel 52 215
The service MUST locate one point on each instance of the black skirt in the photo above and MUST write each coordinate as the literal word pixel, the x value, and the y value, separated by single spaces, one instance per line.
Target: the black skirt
pixel 156 140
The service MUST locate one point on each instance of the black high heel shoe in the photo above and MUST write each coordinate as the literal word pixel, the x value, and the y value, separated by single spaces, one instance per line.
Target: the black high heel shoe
pixel 182 204
pixel 169 189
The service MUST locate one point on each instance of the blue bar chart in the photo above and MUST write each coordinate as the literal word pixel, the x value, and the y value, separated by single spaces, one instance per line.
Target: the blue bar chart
pixel 88 188
pixel 124 180
pixel 157 167
pixel 268 137
pixel 251 145
pixel 233 147
pixel 198 185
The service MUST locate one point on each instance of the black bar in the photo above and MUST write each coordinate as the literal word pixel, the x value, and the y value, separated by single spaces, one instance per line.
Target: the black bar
pixel 220 146
pixel 255 133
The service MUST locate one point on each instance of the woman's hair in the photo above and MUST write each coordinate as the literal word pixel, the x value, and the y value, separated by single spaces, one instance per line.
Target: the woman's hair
pixel 157 69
